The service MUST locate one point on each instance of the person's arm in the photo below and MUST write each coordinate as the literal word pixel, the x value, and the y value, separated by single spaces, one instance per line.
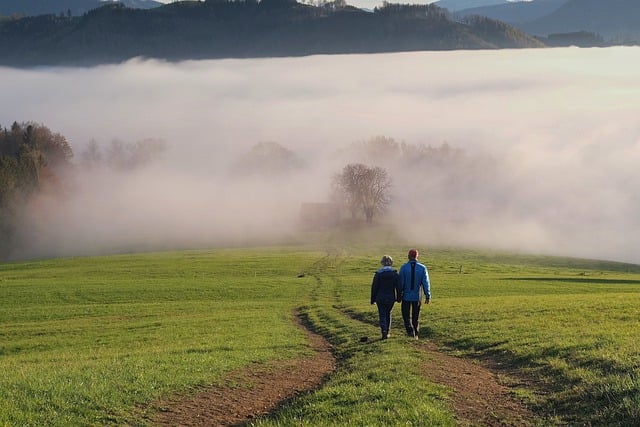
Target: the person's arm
pixel 398 289
pixel 426 285
pixel 401 283
pixel 374 288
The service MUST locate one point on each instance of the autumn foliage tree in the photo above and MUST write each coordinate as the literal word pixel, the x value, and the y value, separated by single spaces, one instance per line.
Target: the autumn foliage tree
pixel 363 189
pixel 30 154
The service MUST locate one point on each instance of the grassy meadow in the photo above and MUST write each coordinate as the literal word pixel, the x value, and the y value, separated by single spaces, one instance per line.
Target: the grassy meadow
pixel 91 341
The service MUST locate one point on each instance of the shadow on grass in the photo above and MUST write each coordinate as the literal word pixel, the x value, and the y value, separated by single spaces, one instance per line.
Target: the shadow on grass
pixel 575 280
pixel 573 400
pixel 397 328
pixel 562 395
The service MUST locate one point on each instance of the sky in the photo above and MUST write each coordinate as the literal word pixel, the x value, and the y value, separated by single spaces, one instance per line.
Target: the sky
pixel 550 138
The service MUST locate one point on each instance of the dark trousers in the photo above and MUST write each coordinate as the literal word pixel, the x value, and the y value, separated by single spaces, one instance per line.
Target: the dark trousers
pixel 384 313
pixel 411 315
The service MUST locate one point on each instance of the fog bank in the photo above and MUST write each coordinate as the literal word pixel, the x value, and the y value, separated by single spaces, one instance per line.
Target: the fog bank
pixel 549 138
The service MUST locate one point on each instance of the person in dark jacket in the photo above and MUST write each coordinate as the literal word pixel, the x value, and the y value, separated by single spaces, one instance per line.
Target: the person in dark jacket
pixel 385 291
pixel 414 279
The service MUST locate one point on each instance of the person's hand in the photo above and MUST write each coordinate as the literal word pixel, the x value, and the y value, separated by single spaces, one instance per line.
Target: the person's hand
pixel 427 301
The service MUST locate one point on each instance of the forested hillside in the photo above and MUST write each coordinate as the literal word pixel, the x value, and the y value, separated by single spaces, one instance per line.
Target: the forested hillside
pixel 220 29
pixel 63 7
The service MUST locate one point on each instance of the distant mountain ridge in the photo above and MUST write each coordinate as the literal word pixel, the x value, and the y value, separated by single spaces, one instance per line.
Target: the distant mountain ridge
pixel 614 20
pixel 224 29
pixel 515 12
pixel 56 7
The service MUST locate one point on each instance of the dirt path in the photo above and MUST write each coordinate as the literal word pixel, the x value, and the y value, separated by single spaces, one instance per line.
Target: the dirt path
pixel 478 398
pixel 251 392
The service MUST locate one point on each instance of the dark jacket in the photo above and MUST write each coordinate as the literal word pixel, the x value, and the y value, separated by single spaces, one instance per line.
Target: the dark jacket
pixel 385 287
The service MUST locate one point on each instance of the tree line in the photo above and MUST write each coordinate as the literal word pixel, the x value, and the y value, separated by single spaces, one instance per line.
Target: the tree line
pixel 224 29
pixel 366 186
pixel 33 160
pixel 363 188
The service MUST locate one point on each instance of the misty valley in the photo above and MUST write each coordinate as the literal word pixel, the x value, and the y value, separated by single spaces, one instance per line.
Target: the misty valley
pixel 530 149
pixel 200 242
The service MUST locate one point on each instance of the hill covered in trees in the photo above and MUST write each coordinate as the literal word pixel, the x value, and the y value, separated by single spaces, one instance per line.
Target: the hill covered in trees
pixel 63 7
pixel 222 29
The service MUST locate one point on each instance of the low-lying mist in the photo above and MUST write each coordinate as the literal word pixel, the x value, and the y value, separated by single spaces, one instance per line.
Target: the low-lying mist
pixel 543 148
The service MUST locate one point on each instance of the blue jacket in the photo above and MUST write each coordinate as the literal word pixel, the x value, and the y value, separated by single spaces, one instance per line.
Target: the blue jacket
pixel 420 281
pixel 385 287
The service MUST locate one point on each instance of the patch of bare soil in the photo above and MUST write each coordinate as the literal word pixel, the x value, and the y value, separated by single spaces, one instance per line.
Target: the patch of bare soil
pixel 249 393
pixel 478 398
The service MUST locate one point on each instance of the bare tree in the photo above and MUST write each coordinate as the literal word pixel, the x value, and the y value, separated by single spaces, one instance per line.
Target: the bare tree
pixel 129 156
pixel 363 189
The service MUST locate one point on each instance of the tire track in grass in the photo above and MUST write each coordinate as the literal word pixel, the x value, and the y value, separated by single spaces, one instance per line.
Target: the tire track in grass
pixel 479 396
pixel 250 392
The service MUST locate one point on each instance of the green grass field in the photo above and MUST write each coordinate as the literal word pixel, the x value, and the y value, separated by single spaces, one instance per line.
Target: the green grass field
pixel 90 341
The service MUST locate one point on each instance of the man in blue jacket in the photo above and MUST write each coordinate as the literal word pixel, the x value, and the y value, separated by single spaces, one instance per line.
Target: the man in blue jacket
pixel 414 280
